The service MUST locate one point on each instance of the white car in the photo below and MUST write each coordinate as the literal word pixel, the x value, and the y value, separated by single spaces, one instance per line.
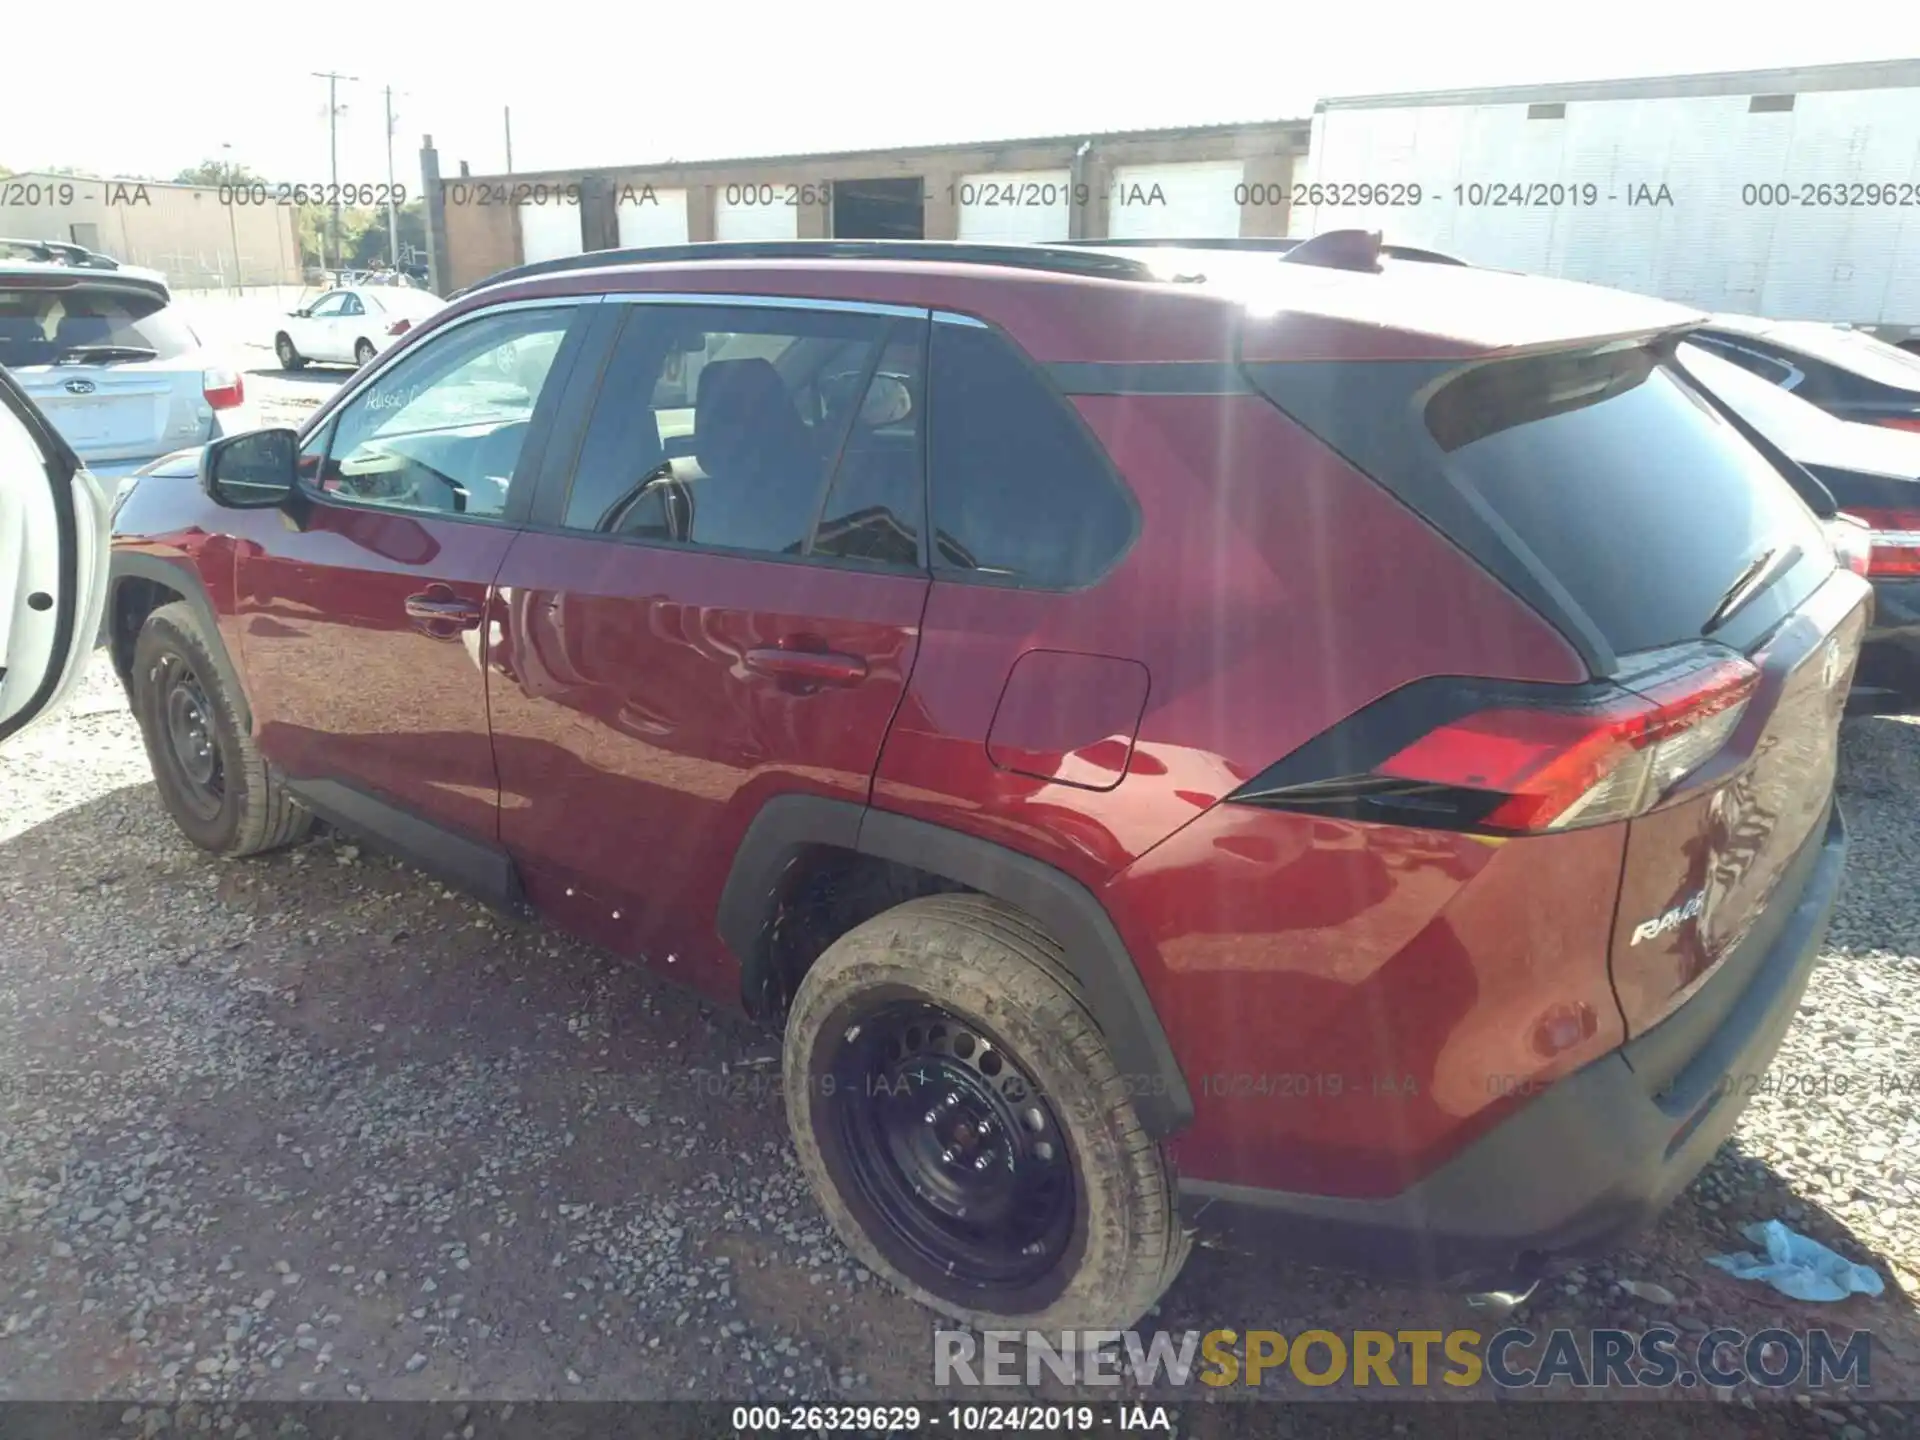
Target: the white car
pixel 111 361
pixel 53 562
pixel 352 324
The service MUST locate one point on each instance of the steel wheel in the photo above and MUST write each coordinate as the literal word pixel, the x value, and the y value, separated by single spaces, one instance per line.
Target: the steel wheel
pixel 953 1145
pixel 193 747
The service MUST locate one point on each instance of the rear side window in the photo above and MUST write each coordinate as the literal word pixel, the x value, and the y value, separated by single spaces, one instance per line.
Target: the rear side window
pixel 1774 372
pixel 1021 492
pixel 98 324
pixel 1637 498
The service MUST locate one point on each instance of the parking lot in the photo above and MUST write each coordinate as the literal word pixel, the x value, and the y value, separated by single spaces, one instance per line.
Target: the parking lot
pixel 314 1126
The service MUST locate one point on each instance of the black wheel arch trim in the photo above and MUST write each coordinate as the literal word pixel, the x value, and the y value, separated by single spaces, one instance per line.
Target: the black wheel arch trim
pixel 788 825
pixel 184 581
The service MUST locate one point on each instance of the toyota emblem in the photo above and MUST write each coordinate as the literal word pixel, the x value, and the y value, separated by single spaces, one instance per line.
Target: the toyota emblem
pixel 79 387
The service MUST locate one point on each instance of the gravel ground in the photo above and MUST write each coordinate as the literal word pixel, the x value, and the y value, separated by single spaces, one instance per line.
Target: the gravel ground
pixel 314 1126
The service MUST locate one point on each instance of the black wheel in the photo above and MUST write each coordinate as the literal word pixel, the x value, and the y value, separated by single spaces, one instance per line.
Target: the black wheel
pixel 212 780
pixel 283 351
pixel 363 352
pixel 964 1126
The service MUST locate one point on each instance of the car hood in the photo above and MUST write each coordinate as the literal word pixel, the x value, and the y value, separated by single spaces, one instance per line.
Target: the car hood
pixel 180 462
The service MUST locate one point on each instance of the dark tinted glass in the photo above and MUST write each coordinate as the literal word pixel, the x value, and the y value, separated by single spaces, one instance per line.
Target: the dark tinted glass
pixel 874 506
pixel 1642 501
pixel 719 426
pixel 1021 492
pixel 38 327
pixel 1775 372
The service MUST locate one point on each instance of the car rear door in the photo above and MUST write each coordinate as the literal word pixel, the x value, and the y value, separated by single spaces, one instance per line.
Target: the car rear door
pixel 361 608
pixel 718 600
pixel 53 563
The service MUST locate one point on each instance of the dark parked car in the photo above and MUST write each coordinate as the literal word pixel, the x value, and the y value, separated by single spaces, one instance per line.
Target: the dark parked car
pixel 1848 373
pixel 1865 473
pixel 1162 766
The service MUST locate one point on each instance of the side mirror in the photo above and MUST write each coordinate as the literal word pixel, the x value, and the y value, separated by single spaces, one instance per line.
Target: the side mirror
pixel 253 471
pixel 888 401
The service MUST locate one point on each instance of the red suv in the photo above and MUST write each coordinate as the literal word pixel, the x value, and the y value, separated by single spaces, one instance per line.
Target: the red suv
pixel 1334 741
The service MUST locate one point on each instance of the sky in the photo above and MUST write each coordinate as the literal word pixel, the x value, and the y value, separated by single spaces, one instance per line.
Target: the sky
pixel 608 85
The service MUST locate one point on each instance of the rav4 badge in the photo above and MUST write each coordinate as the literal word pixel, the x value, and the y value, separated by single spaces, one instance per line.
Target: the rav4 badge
pixel 1672 920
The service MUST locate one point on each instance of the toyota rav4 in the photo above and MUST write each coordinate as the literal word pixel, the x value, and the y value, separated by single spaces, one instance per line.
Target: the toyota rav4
pixel 1332 745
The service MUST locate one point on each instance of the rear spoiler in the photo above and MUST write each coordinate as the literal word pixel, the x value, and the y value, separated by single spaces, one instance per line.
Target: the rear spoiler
pixel 64 277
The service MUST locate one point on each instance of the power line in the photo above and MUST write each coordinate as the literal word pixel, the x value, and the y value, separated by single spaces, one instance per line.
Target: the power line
pixel 333 79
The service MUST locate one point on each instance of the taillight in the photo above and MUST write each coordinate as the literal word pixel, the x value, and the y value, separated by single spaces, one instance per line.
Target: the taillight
pixel 399 327
pixel 222 388
pixel 1895 538
pixel 1588 767
pixel 1900 422
pixel 1852 541
pixel 1523 766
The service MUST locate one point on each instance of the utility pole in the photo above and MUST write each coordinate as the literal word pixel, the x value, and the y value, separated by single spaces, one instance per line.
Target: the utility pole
pixel 333 79
pixel 393 215
pixel 507 112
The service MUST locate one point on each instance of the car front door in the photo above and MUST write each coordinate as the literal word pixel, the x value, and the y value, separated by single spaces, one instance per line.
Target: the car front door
pixel 317 337
pixel 53 563
pixel 718 600
pixel 362 614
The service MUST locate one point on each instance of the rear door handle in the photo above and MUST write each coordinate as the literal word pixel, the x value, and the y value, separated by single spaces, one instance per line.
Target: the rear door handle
pixel 821 667
pixel 446 609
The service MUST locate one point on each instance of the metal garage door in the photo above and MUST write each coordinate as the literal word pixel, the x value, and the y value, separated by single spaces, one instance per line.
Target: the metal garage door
pixel 752 211
pixel 549 231
pixel 1023 206
pixel 1185 201
pixel 651 217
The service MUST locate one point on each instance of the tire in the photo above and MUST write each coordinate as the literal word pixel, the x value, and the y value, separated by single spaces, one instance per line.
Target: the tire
pixel 363 352
pixel 989 969
pixel 283 351
pixel 244 808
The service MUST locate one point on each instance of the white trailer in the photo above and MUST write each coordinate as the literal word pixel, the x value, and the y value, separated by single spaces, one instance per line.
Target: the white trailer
pixel 1793 194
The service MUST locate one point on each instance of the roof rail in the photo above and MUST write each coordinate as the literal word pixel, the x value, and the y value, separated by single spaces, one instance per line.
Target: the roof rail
pixel 1059 259
pixel 1273 244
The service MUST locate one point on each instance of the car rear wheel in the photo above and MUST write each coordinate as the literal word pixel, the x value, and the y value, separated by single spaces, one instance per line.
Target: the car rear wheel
pixel 283 351
pixel 363 352
pixel 213 781
pixel 962 1122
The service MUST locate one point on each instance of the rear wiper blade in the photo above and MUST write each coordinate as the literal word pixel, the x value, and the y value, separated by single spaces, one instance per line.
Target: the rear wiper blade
pixel 1765 568
pixel 105 352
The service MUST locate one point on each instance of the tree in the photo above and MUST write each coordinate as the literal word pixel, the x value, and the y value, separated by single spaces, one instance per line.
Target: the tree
pixel 215 172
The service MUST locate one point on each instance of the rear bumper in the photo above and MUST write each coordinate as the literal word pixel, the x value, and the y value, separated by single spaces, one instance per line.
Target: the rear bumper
pixel 1600 1154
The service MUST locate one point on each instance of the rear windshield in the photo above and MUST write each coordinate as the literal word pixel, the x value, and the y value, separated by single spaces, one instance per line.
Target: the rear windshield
pixel 88 324
pixel 1629 489
pixel 1600 485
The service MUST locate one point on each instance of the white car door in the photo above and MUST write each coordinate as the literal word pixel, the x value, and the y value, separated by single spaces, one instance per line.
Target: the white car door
pixel 319 337
pixel 349 326
pixel 53 563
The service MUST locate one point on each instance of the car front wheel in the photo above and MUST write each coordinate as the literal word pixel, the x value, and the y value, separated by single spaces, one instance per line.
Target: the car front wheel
pixel 212 779
pixel 963 1124
pixel 283 351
